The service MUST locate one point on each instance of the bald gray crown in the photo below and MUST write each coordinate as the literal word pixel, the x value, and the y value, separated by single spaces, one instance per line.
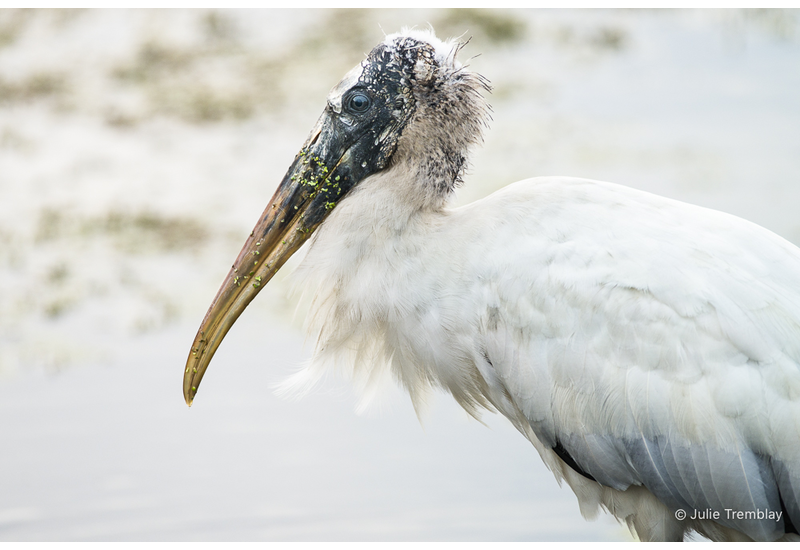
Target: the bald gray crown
pixel 436 105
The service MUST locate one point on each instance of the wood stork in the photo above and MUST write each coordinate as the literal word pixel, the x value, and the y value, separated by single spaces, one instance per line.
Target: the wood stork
pixel 648 349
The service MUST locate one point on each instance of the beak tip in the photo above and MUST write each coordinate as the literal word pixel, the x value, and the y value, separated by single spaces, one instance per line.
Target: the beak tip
pixel 189 392
pixel 189 397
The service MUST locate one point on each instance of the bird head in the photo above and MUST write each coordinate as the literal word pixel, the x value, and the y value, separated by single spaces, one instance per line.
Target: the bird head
pixel 409 105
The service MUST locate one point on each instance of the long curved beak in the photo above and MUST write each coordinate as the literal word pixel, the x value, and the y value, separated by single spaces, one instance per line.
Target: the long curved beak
pixel 319 176
pixel 344 148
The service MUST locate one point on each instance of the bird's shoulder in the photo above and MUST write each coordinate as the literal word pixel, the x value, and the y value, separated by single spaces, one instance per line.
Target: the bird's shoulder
pixel 573 238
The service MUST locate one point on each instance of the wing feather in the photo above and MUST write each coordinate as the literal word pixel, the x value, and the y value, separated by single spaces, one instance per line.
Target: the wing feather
pixel 658 342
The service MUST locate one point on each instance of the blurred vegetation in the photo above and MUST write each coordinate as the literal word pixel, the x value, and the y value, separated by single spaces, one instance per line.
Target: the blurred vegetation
pixel 220 79
pixel 783 24
pixel 12 24
pixel 495 26
pixel 177 80
pixel 217 76
pixel 81 261
pixel 131 232
pixel 35 86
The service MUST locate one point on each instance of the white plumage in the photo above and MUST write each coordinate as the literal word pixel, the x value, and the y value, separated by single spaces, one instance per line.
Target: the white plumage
pixel 587 313
pixel 649 349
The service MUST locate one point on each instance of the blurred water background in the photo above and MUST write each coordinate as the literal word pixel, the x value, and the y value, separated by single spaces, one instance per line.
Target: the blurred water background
pixel 137 150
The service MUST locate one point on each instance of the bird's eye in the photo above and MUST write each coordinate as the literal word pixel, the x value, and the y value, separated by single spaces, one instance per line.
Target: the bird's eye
pixel 358 103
